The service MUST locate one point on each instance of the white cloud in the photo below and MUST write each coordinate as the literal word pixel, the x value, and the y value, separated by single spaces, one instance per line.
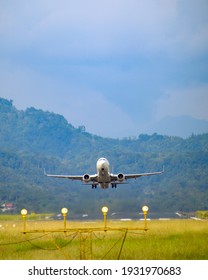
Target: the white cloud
pixel 108 53
pixel 190 101
pixel 92 27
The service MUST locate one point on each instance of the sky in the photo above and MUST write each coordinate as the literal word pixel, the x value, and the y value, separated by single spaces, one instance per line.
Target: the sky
pixel 114 66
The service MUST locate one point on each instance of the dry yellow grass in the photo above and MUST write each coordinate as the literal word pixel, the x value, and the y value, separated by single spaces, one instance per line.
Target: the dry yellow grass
pixel 173 239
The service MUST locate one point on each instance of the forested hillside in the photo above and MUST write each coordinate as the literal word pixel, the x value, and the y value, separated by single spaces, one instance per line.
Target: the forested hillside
pixel 32 140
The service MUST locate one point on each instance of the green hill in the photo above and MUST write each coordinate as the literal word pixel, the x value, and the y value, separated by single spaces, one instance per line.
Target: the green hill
pixel 32 140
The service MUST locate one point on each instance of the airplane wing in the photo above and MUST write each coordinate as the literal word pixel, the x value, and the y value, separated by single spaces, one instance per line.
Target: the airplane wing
pixel 73 177
pixel 134 176
pixel 120 177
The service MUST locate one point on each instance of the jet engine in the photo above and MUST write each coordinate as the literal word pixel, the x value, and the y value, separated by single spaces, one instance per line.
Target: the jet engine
pixel 86 178
pixel 121 177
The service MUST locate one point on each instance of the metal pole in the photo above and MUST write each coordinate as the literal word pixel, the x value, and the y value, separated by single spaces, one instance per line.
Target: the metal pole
pixel 145 221
pixel 65 221
pixel 105 219
pixel 24 223
pixel 122 244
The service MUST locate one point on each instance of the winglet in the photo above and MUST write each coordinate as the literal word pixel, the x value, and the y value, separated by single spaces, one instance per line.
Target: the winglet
pixel 45 172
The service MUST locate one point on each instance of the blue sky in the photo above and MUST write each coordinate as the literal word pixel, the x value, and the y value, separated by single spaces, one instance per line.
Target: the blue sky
pixel 116 66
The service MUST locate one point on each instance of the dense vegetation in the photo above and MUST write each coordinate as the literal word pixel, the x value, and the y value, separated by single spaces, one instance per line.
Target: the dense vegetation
pixel 32 140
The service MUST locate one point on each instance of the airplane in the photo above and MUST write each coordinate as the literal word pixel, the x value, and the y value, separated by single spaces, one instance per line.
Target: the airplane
pixel 103 177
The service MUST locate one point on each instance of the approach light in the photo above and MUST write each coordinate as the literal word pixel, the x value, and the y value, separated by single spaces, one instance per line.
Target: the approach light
pixel 105 209
pixel 23 212
pixel 145 209
pixel 64 211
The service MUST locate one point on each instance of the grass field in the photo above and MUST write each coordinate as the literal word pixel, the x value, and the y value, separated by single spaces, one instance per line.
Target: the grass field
pixel 172 239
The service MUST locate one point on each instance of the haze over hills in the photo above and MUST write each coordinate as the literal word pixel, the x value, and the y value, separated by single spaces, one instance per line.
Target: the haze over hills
pixel 182 126
pixel 33 139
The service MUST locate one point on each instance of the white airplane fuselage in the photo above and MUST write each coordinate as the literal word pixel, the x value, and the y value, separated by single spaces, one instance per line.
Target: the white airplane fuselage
pixel 103 172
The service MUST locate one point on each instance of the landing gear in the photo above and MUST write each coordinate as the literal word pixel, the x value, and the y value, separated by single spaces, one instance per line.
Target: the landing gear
pixel 114 185
pixel 94 186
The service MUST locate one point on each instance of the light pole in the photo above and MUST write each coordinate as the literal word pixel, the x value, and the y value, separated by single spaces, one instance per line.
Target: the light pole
pixel 64 212
pixel 145 210
pixel 105 211
pixel 24 214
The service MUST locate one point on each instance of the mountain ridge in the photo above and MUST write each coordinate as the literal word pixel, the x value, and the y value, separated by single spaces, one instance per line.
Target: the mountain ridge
pixel 32 140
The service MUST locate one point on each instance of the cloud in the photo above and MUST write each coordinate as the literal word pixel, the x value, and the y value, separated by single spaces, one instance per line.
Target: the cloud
pixel 190 101
pixel 116 55
pixel 74 28
pixel 94 29
pixel 79 105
